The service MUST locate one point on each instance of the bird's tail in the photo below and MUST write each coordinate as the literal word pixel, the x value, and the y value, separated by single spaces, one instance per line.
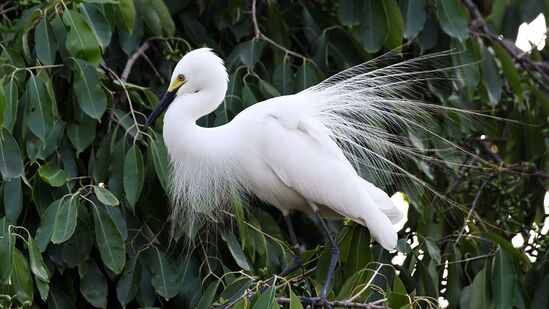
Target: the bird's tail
pixel 378 222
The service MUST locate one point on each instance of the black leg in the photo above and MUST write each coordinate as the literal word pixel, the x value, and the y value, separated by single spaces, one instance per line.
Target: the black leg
pixel 335 255
pixel 298 259
pixel 295 247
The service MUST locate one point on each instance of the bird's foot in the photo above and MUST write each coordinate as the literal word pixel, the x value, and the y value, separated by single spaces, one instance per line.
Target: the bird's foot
pixel 315 302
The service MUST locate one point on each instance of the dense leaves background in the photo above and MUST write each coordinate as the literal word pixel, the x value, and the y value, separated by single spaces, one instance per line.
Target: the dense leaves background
pixel 83 191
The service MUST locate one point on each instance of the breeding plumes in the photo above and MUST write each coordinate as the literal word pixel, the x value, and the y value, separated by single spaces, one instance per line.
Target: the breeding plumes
pixel 298 152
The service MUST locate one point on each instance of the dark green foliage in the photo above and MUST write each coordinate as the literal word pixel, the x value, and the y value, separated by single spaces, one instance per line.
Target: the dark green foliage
pixel 84 215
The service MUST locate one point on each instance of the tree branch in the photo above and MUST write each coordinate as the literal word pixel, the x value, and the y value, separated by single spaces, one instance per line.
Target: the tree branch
pixel 140 52
pixel 335 303
pixel 480 28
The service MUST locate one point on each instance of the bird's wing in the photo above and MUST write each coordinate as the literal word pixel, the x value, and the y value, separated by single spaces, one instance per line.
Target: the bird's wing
pixel 305 158
pixel 321 134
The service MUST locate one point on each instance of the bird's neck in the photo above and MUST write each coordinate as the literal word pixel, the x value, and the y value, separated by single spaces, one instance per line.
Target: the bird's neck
pixel 185 140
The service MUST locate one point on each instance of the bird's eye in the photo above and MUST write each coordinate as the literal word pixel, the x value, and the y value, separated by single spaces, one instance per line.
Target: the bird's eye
pixel 180 77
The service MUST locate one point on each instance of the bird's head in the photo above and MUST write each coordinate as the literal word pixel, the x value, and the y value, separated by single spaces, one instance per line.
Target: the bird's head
pixel 199 71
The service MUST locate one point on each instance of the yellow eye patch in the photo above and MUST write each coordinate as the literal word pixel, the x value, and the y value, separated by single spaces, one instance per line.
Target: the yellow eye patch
pixel 175 85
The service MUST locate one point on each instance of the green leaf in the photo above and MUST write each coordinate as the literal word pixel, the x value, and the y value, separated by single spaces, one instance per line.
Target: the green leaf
pixel 12 98
pixel 21 277
pixel 359 254
pixel 3 105
pixel 157 17
pixel 268 90
pixel 266 299
pixel 11 165
pixel 236 289
pixel 7 245
pixel 349 12
pixel 45 229
pixel 87 89
pixel 93 285
pixel 109 240
pixel 306 76
pixel 81 134
pixel 283 78
pixel 37 265
pixel 133 174
pixel 480 297
pixel 43 288
pixel 164 276
pixel 250 52
pixel 413 15
pixel 126 9
pixel 452 18
pixel 395 25
pixel 433 250
pixel 77 249
pixel 491 78
pixel 105 196
pixel 294 301
pixel 160 159
pixel 373 29
pixel 236 251
pixel 65 220
pixel 504 280
pixel 126 289
pixel 40 115
pixel 207 297
pixel 46 45
pixel 509 69
pixel 52 174
pixel 13 199
pixel 81 42
pixel 98 23
pixel 397 300
pixel 428 36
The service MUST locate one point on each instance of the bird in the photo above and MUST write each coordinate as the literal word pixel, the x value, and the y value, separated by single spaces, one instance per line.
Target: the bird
pixel 298 152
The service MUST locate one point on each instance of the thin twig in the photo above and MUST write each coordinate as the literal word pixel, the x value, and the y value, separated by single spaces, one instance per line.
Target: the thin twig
pixel 260 35
pixel 478 257
pixel 335 303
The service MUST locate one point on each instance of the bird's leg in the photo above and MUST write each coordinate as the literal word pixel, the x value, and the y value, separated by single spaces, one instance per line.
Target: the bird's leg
pixel 298 260
pixel 333 261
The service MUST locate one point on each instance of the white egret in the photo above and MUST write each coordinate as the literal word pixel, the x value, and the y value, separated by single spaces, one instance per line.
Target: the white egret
pixel 296 152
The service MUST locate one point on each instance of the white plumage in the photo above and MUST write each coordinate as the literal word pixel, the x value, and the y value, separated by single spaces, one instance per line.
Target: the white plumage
pixel 296 152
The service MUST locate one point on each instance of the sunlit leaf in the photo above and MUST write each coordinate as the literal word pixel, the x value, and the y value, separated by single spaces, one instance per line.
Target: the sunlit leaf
pixel 81 42
pixel 105 196
pixel 52 174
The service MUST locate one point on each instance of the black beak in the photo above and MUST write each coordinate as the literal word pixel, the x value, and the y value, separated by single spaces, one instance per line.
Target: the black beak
pixel 161 107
